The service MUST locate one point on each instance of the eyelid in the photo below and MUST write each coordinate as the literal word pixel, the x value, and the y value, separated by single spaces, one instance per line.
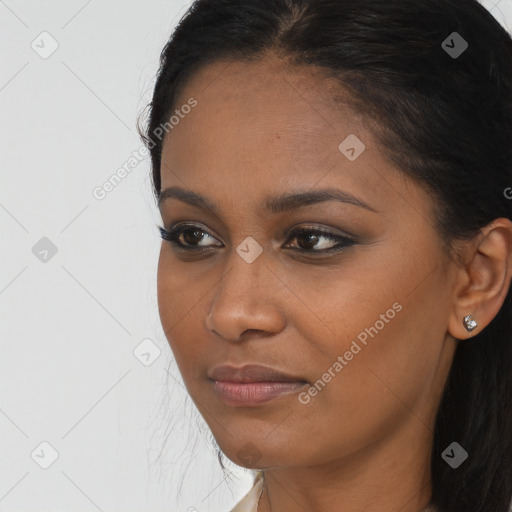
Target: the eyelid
pixel 341 241
pixel 330 231
pixel 334 232
pixel 177 228
pixel 344 239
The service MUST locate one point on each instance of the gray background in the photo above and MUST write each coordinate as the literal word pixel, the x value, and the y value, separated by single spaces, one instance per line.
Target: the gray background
pixel 70 320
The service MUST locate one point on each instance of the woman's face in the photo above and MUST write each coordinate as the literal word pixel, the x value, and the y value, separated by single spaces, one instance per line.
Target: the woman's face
pixel 365 325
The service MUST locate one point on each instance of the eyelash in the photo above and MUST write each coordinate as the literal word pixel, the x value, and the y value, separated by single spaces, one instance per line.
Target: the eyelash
pixel 174 233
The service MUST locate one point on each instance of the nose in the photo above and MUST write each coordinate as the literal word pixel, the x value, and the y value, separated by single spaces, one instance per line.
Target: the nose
pixel 247 299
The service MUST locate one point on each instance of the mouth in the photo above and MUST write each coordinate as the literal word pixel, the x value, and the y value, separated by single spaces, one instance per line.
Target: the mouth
pixel 254 393
pixel 252 385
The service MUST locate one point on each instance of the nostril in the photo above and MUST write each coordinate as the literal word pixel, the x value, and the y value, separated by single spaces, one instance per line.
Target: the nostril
pixel 252 333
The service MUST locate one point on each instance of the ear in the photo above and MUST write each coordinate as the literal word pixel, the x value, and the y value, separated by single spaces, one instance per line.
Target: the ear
pixel 484 279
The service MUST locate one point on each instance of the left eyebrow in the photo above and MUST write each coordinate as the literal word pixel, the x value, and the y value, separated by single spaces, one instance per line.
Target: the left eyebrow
pixel 287 202
pixel 277 204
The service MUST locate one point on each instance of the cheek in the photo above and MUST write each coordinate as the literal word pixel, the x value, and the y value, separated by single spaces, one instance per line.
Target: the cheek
pixel 178 289
pixel 387 329
pixel 182 304
pixel 363 389
pixel 389 380
pixel 174 301
pixel 167 291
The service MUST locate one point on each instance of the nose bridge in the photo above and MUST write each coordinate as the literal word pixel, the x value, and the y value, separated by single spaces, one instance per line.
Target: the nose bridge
pixel 243 299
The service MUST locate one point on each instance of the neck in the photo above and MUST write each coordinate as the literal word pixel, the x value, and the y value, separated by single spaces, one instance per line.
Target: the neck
pixel 383 477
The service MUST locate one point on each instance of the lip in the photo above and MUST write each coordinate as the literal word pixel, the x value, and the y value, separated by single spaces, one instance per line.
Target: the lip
pixel 251 373
pixel 251 385
pixel 251 394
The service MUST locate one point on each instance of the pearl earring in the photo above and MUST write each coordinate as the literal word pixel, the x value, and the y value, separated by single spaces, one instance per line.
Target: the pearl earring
pixel 469 323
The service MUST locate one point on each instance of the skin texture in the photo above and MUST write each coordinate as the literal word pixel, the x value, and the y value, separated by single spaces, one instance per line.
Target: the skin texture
pixel 364 441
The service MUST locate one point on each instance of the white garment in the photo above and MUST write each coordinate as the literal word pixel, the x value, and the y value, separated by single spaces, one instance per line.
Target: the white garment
pixel 249 503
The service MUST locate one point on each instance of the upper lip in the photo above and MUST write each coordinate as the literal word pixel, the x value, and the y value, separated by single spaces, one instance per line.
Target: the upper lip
pixel 251 373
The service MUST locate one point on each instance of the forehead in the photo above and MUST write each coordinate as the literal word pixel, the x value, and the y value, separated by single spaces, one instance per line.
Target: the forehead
pixel 265 125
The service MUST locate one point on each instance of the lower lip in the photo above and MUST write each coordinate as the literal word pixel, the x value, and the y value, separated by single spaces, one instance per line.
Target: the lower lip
pixel 254 393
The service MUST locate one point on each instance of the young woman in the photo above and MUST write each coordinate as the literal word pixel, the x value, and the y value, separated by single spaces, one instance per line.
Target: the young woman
pixel 335 184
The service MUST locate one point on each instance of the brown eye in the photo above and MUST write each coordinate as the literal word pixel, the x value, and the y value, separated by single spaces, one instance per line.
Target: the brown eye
pixel 191 236
pixel 186 236
pixel 309 240
pixel 324 241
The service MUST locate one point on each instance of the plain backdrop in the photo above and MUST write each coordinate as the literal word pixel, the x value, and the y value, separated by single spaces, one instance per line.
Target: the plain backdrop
pixel 93 412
